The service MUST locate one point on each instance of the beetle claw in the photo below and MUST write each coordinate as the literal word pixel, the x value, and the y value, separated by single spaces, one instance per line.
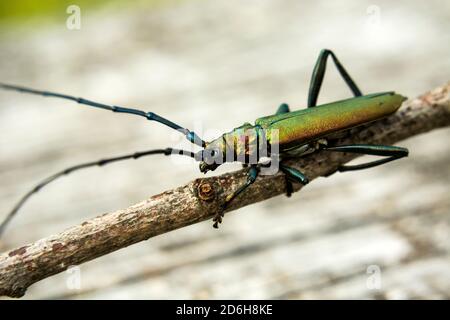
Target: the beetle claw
pixel 218 218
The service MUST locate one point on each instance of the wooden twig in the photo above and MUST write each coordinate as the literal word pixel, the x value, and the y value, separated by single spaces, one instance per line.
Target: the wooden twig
pixel 199 200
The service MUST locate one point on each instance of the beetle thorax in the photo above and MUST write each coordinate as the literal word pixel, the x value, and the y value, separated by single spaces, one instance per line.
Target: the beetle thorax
pixel 245 144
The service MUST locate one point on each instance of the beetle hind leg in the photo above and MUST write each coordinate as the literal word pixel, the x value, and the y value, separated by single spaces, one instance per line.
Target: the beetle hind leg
pixel 319 73
pixel 390 152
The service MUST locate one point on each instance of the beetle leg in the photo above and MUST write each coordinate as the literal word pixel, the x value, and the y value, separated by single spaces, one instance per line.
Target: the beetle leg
pixel 252 174
pixel 391 152
pixel 289 187
pixel 320 144
pixel 283 108
pixel 294 175
pixel 319 73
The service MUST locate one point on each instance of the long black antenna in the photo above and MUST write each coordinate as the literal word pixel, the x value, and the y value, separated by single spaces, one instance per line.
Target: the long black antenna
pixel 190 135
pixel 102 162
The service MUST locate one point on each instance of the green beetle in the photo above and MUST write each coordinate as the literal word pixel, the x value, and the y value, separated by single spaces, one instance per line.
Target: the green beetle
pixel 276 137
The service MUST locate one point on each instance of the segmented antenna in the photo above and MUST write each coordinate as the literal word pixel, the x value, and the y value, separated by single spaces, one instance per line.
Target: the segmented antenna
pixel 190 135
pixel 102 162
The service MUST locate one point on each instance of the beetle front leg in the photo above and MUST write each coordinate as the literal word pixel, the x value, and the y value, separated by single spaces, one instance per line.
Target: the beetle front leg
pixel 252 174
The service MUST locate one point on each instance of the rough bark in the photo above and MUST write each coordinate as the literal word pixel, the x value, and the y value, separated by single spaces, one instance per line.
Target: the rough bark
pixel 199 200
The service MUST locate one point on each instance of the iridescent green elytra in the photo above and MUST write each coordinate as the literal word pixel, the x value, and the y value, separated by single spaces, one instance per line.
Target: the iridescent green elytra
pixel 306 125
pixel 279 136
pixel 297 129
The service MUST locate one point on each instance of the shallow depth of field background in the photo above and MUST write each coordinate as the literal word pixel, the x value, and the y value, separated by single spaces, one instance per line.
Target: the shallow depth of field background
pixel 212 65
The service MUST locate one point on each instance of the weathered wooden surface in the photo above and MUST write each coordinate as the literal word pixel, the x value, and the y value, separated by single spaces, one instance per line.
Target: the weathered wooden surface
pixel 317 244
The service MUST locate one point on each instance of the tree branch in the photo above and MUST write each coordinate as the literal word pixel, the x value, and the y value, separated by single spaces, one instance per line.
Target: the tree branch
pixel 199 200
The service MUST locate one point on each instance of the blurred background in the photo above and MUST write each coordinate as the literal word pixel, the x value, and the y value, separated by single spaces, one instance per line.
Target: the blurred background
pixel 212 65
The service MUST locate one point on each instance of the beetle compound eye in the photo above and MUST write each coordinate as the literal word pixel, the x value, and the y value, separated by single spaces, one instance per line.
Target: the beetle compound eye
pixel 212 156
pixel 208 156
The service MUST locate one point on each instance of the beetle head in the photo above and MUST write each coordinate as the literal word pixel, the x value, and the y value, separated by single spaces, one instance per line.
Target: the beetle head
pixel 213 155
